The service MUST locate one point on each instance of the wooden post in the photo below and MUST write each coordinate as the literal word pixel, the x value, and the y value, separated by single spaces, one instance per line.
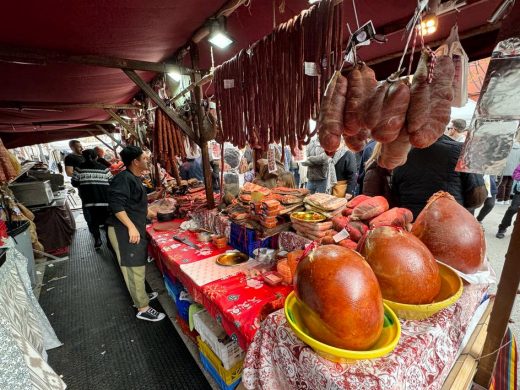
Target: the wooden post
pixel 157 99
pixel 504 301
pixel 206 166
pixel 197 95
pixel 510 278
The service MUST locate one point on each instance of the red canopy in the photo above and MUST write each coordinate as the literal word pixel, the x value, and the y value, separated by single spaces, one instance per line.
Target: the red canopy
pixel 152 31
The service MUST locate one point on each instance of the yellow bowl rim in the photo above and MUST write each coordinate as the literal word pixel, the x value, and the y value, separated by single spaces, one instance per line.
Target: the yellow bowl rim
pixel 435 306
pixel 339 352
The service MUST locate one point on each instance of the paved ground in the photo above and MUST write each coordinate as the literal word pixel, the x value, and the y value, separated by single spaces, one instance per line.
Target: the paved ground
pixel 497 249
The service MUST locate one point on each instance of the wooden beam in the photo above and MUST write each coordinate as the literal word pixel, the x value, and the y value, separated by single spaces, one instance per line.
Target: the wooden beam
pixel 199 111
pixel 126 126
pixel 505 298
pixel 110 136
pixel 206 79
pixel 162 105
pixel 103 142
pixel 43 57
pixel 64 106
pixel 67 122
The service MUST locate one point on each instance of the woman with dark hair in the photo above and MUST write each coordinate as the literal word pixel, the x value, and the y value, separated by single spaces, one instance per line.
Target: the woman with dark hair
pixel 92 180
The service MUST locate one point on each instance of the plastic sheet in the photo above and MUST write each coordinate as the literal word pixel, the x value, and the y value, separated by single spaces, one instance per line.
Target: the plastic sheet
pixel 496 118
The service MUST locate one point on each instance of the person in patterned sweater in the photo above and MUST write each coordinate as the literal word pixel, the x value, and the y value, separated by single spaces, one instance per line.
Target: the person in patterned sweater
pixel 92 180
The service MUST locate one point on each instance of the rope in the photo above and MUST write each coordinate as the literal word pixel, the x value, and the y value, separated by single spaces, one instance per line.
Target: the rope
pixel 355 12
pixel 414 23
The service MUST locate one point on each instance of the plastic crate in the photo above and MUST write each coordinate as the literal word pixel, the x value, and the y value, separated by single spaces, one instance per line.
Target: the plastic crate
pixel 181 297
pixel 244 239
pixel 226 349
pixel 226 379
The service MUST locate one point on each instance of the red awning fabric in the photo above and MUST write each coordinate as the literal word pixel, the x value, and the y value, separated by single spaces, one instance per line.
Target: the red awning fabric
pixel 152 31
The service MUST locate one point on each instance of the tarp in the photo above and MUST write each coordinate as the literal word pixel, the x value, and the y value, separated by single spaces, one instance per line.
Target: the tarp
pixel 153 30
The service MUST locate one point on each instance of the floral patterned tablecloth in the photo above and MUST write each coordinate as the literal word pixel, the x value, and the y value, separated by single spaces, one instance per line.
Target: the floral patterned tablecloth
pixel 236 301
pixel 426 352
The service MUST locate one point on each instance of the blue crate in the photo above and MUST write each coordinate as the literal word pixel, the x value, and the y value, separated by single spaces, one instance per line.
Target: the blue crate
pixel 175 289
pixel 244 239
pixel 214 374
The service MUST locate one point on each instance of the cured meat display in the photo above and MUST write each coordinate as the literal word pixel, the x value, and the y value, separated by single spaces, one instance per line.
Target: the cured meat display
pixel 330 122
pixel 451 233
pixel 404 267
pixel 341 297
pixel 395 153
pixel 386 114
pixel 169 142
pixel 430 101
pixel 362 85
pixel 269 92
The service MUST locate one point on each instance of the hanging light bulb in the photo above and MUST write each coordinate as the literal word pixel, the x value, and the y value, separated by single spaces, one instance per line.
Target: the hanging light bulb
pixel 429 24
pixel 176 76
pixel 218 35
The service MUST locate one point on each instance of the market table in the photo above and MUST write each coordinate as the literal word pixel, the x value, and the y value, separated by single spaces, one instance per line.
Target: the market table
pixel 426 352
pixel 237 301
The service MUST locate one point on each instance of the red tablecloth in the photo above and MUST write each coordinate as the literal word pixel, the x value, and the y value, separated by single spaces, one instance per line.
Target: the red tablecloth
pixel 238 303
pixel 426 352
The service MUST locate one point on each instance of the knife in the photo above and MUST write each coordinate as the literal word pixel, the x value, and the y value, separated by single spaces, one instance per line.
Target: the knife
pixel 186 242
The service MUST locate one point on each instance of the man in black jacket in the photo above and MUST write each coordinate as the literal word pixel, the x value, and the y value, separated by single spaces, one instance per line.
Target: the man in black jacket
pixel 127 231
pixel 433 169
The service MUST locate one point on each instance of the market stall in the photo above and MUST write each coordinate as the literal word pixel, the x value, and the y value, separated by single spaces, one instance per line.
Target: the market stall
pixel 300 290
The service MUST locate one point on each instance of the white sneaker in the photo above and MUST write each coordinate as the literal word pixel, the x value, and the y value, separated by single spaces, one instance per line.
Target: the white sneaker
pixel 150 315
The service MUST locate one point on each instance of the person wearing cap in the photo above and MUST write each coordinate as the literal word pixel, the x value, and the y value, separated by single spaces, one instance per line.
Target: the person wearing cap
pixel 127 229
pixel 457 130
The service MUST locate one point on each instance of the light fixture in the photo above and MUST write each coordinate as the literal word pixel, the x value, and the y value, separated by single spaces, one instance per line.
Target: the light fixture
pixel 217 33
pixel 429 24
pixel 313 1
pixel 175 75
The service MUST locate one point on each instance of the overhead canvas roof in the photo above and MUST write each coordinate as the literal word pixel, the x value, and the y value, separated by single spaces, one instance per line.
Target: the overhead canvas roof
pixel 154 30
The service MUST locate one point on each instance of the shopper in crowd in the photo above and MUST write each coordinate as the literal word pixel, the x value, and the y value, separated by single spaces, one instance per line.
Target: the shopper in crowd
pixel 433 169
pixel 506 181
pixel 101 156
pixel 127 230
pixel 286 179
pixel 377 179
pixel 74 159
pixel 346 173
pixel 317 163
pixel 489 203
pixel 92 180
pixel 191 168
pixel 513 207
pixel 456 130
pixel 365 156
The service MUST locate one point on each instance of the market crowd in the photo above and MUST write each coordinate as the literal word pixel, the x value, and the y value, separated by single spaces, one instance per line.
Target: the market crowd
pixel 115 192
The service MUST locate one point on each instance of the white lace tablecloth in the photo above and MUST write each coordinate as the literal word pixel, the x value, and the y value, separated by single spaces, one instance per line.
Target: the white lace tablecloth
pixel 25 331
pixel 427 350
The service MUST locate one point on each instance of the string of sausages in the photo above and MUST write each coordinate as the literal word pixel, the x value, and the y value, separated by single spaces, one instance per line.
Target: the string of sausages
pixel 268 92
pixel 169 142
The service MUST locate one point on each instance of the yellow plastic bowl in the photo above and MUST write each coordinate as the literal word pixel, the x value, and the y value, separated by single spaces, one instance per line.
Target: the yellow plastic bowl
pixel 451 290
pixel 295 310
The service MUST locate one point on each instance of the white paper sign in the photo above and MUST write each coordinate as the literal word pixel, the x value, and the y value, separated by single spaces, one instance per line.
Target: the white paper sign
pixel 229 83
pixel 342 235
pixel 311 69
pixel 271 159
